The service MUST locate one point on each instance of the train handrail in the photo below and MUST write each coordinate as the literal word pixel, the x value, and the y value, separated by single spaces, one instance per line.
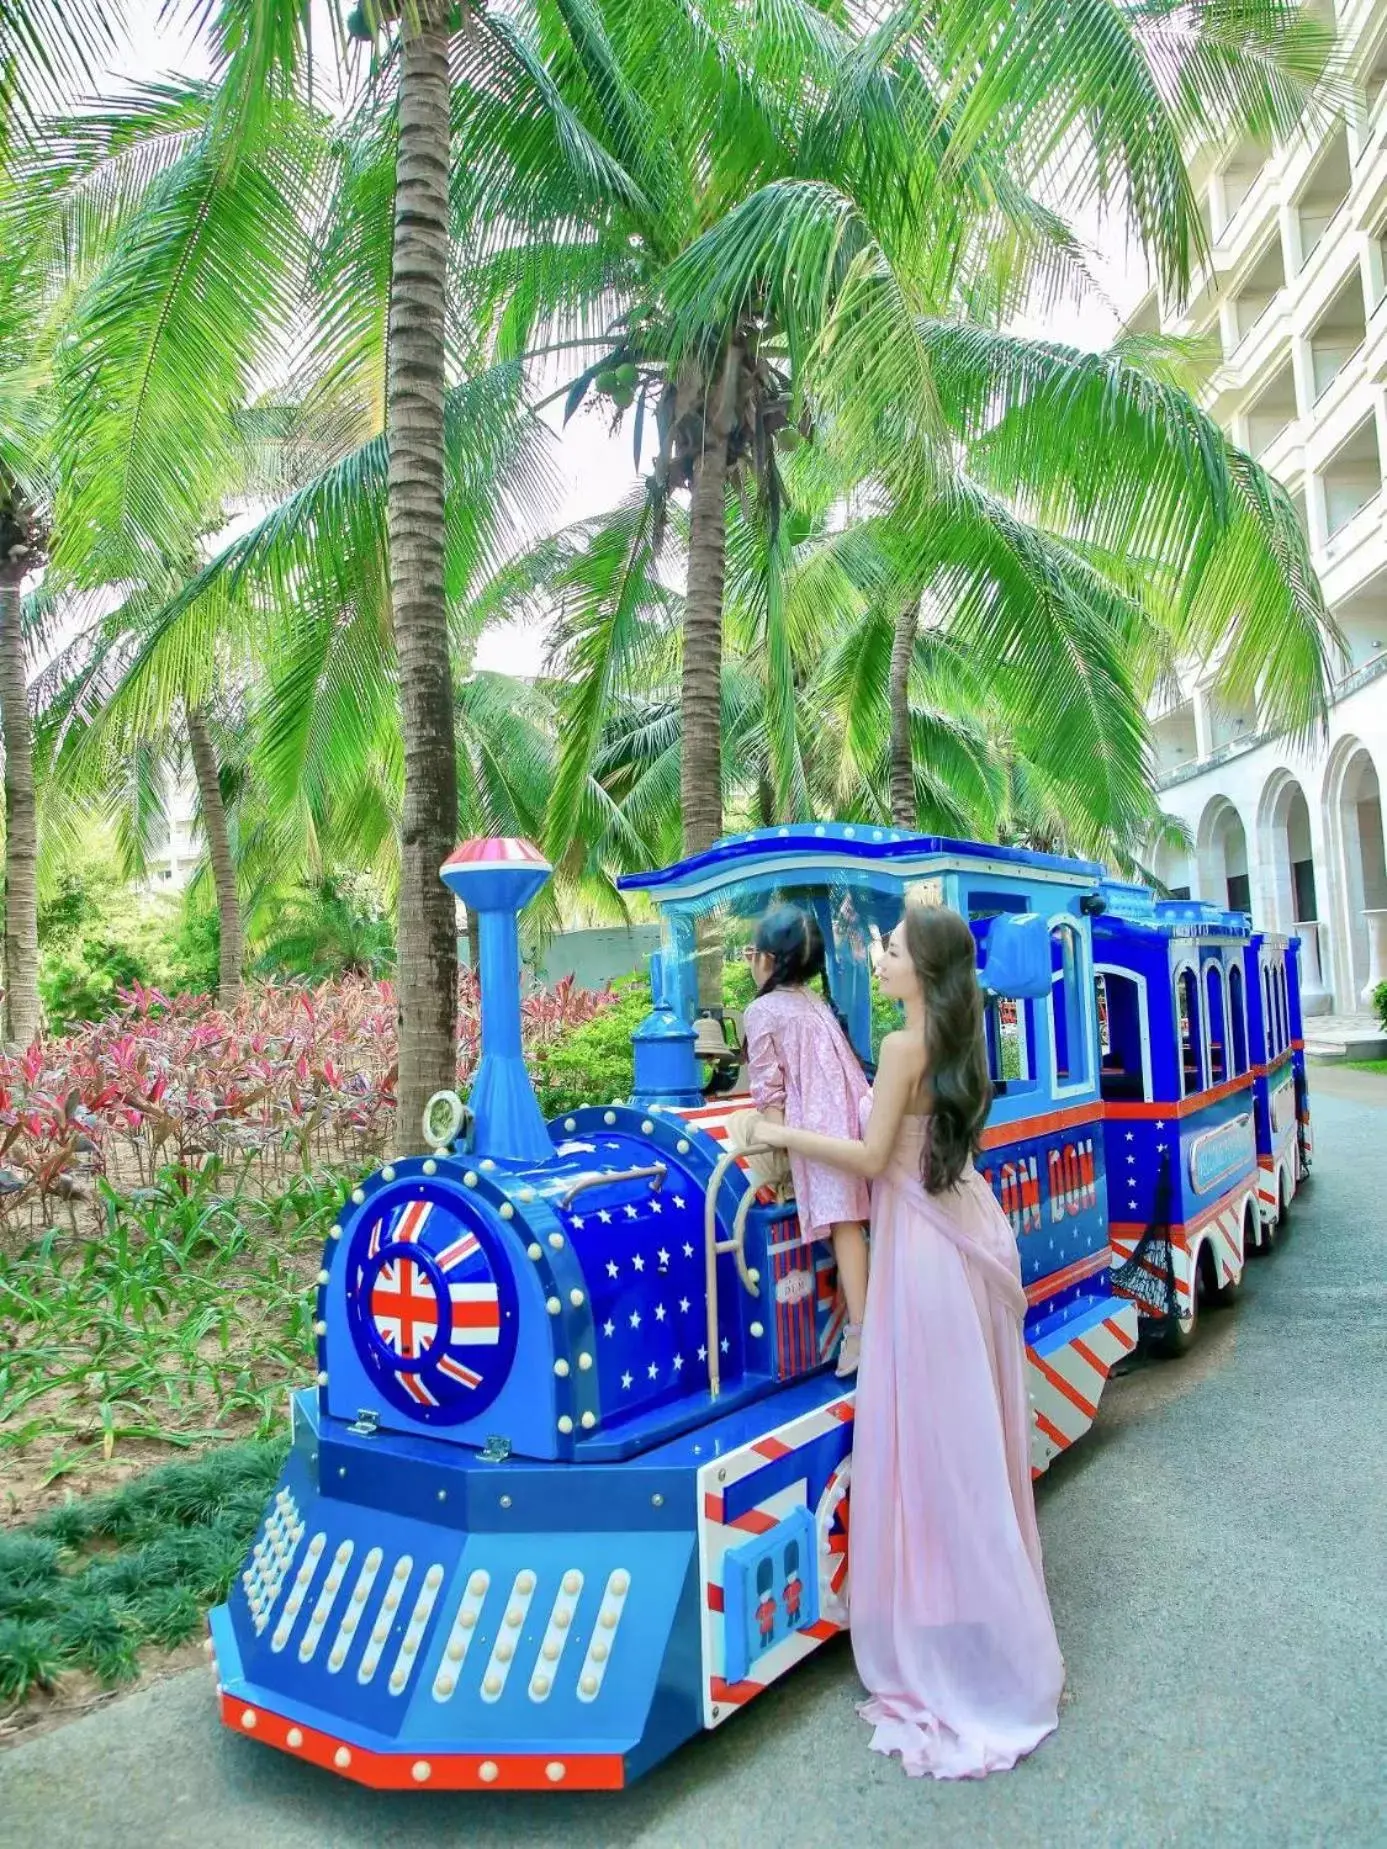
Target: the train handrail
pixel 655 1173
pixel 714 1248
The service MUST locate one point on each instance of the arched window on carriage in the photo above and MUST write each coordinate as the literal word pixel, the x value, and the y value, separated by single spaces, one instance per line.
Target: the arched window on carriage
pixel 1187 1010
pixel 1125 1075
pixel 1283 1002
pixel 1237 1023
pixel 1268 1011
pixel 1068 1032
pixel 1007 1025
pixel 1218 1025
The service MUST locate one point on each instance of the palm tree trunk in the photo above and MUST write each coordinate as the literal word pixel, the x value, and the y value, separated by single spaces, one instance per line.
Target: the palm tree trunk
pixel 426 978
pixel 22 1015
pixel 700 777
pixel 904 813
pixel 232 942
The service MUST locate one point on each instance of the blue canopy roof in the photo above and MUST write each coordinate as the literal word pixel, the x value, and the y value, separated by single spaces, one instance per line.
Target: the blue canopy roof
pixel 838 850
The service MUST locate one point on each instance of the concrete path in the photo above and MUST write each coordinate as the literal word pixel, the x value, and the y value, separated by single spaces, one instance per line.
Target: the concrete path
pixel 1216 1553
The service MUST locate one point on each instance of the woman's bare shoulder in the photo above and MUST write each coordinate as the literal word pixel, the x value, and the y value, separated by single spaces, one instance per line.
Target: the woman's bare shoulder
pixel 903 1053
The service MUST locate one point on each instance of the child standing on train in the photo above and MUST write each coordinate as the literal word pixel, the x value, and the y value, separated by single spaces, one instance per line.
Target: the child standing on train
pixel 804 1073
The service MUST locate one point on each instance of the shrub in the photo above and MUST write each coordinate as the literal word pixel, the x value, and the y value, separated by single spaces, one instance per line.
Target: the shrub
pixel 1380 1004
pixel 592 1063
pixel 98 937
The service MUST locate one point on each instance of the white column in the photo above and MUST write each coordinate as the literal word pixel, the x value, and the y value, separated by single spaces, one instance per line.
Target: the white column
pixel 1303 373
pixel 1289 220
pixel 1376 922
pixel 1229 335
pixel 1203 725
pixel 1314 996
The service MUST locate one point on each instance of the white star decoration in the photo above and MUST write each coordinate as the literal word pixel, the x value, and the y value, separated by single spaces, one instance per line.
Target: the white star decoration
pixel 632 1213
pixel 684 1305
pixel 703 1354
pixel 1131 1136
pixel 659 1312
pixel 652 1371
pixel 611 1267
pixel 725 1344
pixel 663 1256
pixel 655 1207
pixel 679 1202
pixel 605 1217
pixel 609 1328
pixel 638 1262
pixel 688 1250
pixel 635 1319
pixel 626 1382
pixel 678 1363
pixel 578 1222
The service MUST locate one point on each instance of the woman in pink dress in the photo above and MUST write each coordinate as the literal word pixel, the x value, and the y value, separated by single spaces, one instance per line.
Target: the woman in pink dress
pixel 804 1072
pixel 951 1625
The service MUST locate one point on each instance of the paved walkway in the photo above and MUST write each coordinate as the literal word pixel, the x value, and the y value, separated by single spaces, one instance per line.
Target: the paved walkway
pixel 1215 1554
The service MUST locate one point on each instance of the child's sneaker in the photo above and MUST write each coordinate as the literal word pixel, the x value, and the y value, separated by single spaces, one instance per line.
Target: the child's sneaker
pixel 849 1350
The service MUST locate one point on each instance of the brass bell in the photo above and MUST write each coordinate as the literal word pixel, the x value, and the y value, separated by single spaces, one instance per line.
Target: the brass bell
pixel 710 1043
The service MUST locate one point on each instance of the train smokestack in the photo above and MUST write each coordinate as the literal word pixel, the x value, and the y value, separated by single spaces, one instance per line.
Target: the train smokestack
pixel 496 878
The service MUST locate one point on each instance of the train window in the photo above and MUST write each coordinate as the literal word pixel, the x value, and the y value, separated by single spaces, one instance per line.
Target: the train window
pixel 1067 1027
pixel 1218 1026
pixel 1007 1025
pixel 1237 1023
pixel 1191 1034
pixel 1283 1006
pixel 1121 1037
pixel 1267 1012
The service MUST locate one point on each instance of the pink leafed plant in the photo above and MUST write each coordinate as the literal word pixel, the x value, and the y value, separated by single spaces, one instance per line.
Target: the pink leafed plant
pixel 296 1078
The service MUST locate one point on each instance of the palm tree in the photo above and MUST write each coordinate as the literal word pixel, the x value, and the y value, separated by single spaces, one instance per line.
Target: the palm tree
pixel 817 262
pixel 26 336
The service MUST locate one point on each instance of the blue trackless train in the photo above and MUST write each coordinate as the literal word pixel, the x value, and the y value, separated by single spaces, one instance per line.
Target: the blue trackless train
pixel 574 1482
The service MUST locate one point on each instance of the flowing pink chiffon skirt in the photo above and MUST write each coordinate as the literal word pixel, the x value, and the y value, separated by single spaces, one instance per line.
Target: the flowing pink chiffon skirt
pixel 951 1626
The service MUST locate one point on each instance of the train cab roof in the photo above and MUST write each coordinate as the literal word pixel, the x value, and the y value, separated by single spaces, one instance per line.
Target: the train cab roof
pixel 844 854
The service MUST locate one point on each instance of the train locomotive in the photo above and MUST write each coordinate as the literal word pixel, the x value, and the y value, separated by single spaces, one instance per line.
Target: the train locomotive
pixel 574 1481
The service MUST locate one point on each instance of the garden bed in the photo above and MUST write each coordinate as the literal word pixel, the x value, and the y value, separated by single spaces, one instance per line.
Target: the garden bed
pixel 104 1592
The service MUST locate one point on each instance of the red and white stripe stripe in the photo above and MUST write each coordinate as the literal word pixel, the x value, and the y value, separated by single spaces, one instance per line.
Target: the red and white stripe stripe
pixel 1067 1383
pixel 717 1533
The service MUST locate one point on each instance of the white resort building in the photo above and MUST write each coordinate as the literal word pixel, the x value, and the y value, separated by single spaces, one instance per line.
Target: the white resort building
pixel 1296 295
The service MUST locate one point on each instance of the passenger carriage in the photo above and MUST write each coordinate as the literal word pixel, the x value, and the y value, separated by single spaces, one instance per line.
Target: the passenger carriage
pixel 1043 1146
pixel 1179 1107
pixel 1279 1088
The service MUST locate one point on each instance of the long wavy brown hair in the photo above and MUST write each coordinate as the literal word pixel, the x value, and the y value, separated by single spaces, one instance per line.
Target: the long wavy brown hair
pixel 946 961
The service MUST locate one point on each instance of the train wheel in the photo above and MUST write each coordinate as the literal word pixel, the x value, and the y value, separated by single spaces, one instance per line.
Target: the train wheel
pixel 1181 1332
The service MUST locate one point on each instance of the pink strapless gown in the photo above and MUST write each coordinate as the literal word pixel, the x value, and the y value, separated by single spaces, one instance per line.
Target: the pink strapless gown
pixel 951 1626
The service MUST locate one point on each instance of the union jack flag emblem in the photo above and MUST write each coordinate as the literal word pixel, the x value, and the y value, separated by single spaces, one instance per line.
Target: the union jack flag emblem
pixel 405 1308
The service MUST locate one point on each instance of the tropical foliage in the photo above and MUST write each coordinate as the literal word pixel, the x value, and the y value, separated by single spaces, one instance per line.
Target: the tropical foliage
pixel 928 569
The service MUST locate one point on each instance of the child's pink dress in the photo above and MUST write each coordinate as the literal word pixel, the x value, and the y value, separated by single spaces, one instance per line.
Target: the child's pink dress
pixel 951 1625
pixel 799 1062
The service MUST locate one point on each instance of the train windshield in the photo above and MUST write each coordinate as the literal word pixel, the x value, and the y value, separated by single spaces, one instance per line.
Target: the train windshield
pixel 854 917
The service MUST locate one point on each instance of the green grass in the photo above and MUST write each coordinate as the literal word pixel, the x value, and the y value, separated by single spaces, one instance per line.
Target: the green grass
pixel 181 1325
pixel 1364 1065
pixel 93 1584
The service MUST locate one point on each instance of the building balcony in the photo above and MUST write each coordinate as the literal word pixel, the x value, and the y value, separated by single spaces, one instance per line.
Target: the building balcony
pixel 1348 683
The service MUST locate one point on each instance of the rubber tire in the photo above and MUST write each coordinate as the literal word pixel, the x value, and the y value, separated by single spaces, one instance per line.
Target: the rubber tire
pixel 1178 1338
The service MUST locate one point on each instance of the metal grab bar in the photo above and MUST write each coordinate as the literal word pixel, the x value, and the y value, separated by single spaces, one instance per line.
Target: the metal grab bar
pixel 713 1249
pixel 655 1173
